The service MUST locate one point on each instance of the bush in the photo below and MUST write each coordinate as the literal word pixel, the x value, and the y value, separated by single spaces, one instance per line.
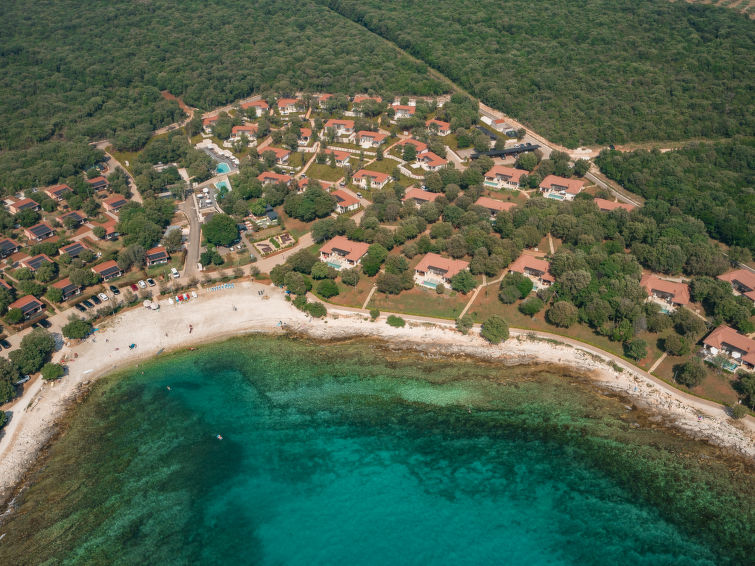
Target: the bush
pixel 327 288
pixel 675 345
pixel 509 295
pixel 350 277
pixel 374 313
pixel 690 373
pixel 396 321
pixel 440 288
pixel 220 230
pixel 14 316
pixel 77 329
pixel 464 324
pixel 463 282
pixel 562 314
pixel 316 310
pixel 3 418
pixel 636 349
pixel 495 330
pixel 51 372
pixel 738 411
pixel 531 306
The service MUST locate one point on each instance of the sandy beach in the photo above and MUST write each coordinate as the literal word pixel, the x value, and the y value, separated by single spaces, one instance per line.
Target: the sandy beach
pixel 241 310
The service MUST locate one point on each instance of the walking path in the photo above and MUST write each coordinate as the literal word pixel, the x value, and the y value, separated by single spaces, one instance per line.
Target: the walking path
pixel 474 296
pixel 658 362
pixel 369 296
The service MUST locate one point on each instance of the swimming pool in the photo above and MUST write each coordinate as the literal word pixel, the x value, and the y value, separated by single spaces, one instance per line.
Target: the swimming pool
pixel 222 185
pixel 222 168
pixel 429 284
pixel 555 196
pixel 334 265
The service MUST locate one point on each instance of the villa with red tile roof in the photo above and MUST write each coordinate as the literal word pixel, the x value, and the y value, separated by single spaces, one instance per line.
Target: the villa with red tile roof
pixel 431 162
pixel 98 183
pixel 73 250
pixel 208 123
pixel 500 177
pixel 341 157
pixel 493 205
pixel 443 128
pixel 726 340
pixel 342 253
pixel 418 145
pixel 270 177
pixel 369 139
pixel 73 218
pixel 533 267
pixel 342 129
pixel 34 263
pixel 260 107
pixel 8 247
pixel 359 98
pixel 403 111
pixel 434 270
pixel 281 155
pixel 156 256
pixel 4 284
pixel 742 281
pixel 290 105
pixel 609 205
pixel 671 292
pixel 67 288
pixel 303 183
pixel 305 134
pixel 248 130
pixel 29 306
pixel 108 270
pixel 17 205
pixel 114 203
pixel 344 201
pixel 39 232
pixel 111 233
pixel 56 192
pixel 322 99
pixel 420 196
pixel 371 179
pixel 554 186
pixel 505 127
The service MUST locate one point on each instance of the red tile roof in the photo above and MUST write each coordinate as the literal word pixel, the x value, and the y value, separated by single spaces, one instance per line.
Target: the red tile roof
pixel 244 128
pixel 4 283
pixel 679 291
pixel 609 205
pixel 339 155
pixel 344 199
pixel 57 190
pixel 283 102
pixel 418 145
pixel 509 173
pixel 97 180
pixel 409 109
pixel 725 335
pixel 25 300
pixel 105 266
pixel 332 123
pixel 305 132
pixel 431 159
pixel 379 177
pixel 24 202
pixel 255 104
pixel 363 97
pixel 274 177
pixel 377 136
pixel 440 123
pixel 115 201
pixel 572 186
pixel 450 266
pixel 526 261
pixel 209 120
pixel 354 250
pixel 743 277
pixel 420 194
pixel 63 283
pixel 494 204
pixel 279 152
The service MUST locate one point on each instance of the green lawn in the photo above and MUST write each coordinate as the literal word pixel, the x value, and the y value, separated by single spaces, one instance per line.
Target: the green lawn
pixel 422 302
pixel 324 172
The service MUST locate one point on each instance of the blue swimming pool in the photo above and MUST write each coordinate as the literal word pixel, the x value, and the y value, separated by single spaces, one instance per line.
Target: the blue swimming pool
pixel 429 284
pixel 222 185
pixel 222 168
pixel 334 265
pixel 555 196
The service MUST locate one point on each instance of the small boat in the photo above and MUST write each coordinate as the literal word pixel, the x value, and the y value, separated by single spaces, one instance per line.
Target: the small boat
pixel 132 346
pixel 219 437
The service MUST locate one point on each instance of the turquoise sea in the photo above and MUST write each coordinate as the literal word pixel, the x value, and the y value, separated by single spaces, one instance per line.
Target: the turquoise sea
pixel 354 454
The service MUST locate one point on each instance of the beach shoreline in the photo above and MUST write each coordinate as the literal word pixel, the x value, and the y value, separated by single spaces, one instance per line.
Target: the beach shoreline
pixel 256 308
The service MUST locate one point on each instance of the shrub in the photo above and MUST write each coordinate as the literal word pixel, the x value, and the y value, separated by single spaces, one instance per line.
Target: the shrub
pixel 440 288
pixel 463 282
pixel 509 295
pixel 464 324
pixel 531 306
pixel 14 316
pixel 3 418
pixel 690 373
pixel 374 313
pixel 495 330
pixel 636 349
pixel 51 371
pixel 738 411
pixel 675 345
pixel 562 314
pixel 396 321
pixel 350 277
pixel 77 329
pixel 327 288
pixel 316 310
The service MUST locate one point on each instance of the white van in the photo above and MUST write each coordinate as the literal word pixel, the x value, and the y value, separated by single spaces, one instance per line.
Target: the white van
pixel 174 272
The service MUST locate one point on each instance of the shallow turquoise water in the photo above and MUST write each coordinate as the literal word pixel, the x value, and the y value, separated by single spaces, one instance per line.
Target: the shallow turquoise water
pixel 339 454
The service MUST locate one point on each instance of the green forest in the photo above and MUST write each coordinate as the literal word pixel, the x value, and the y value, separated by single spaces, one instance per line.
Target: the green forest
pixel 584 72
pixel 712 182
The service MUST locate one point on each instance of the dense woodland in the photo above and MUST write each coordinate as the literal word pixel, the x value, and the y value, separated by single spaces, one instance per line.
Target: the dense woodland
pixel 596 71
pixel 712 182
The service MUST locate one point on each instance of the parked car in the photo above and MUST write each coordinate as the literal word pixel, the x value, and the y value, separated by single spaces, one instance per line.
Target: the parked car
pixel 174 272
pixel 87 303
pixel 359 195
pixel 95 299
pixel 44 323
pixel 151 282
pixel 134 288
pixel 114 290
pixel 79 307
pixel 103 296
pixel 142 284
pixel 5 344
pixel 23 380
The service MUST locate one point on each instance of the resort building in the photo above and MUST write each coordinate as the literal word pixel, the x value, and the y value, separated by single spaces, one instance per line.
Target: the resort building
pixel 73 219
pixel 57 192
pixel 39 232
pixel 439 126
pixel 418 145
pixel 420 196
pixel 281 155
pixel 345 201
pixel 270 177
pixel 742 281
pixel 669 292
pixel 536 269
pixel 98 183
pixel 371 179
pixel 403 111
pixel 34 263
pixel 725 340
pixel 434 270
pixel 29 306
pixel 341 129
pixel 209 123
pixel 290 105
pixel 114 203
pixel 322 100
pixel 256 108
pixel 108 270
pixel 73 250
pixel 341 253
pixel 560 188
pixel 304 182
pixel 431 162
pixel 248 130
pixel 110 231
pixel 342 158
pixel 4 284
pixel 494 206
pixel 359 98
pixel 504 127
pixel 7 247
pixel 156 256
pixel 609 205
pixel 17 205
pixel 305 134
pixel 368 139
pixel 67 288
pixel 500 177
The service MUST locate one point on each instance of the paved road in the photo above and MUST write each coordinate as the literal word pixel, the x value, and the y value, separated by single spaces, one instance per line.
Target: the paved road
pixel 590 175
pixel 192 249
pixel 113 163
